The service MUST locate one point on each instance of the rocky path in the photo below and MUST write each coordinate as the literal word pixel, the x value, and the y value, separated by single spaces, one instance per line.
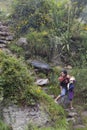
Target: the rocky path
pixel 77 118
pixel 5 36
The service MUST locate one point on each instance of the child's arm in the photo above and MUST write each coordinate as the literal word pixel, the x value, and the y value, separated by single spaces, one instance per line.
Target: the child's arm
pixel 68 86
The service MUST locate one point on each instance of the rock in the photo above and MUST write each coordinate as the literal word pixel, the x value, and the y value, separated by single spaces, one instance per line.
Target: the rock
pixel 3 41
pixel 0 23
pixel 19 117
pixel 2 45
pixel 9 38
pixel 64 101
pixel 41 66
pixel 71 119
pixel 4 28
pixel 42 82
pixel 27 55
pixel 4 33
pixel 84 113
pixel 22 42
pixel 72 114
pixel 68 67
pixel 79 126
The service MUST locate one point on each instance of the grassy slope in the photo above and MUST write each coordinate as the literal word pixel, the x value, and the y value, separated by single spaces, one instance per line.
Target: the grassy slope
pixel 5 6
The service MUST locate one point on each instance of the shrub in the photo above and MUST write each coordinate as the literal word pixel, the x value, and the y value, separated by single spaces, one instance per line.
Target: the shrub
pixel 80 85
pixel 29 14
pixel 15 76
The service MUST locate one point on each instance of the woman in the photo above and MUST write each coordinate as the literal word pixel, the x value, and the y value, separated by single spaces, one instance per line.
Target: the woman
pixel 64 80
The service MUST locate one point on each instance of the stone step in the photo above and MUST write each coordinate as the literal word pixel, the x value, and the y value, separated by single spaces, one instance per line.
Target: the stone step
pixel 5 33
pixel 7 38
pixel 4 28
pixel 3 41
pixel 2 45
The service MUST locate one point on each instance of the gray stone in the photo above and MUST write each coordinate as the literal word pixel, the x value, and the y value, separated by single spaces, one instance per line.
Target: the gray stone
pixel 19 118
pixel 22 42
pixel 2 45
pixel 84 113
pixel 4 28
pixel 3 41
pixel 9 38
pixel 79 126
pixel 73 120
pixel 72 114
pixel 40 65
pixel 64 101
pixel 42 82
pixel 4 33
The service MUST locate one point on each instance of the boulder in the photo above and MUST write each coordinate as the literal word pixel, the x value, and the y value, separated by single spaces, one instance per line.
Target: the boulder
pixel 22 42
pixel 41 66
pixel 42 82
pixel 20 117
pixel 64 101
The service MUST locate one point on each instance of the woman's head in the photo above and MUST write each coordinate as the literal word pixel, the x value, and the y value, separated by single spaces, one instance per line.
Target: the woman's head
pixel 64 73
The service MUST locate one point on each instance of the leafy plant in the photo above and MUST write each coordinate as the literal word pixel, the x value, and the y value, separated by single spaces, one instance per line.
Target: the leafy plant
pixel 4 126
pixel 14 76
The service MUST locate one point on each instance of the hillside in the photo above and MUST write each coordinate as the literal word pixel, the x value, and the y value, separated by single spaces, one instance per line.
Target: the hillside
pixel 65 41
pixel 38 39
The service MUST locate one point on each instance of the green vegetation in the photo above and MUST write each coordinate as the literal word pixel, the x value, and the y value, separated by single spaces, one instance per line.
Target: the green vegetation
pixel 31 127
pixel 18 86
pixel 80 85
pixel 4 126
pixel 14 77
pixel 5 8
pixel 51 27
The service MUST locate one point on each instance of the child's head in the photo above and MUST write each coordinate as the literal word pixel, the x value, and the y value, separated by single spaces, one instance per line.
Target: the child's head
pixel 72 79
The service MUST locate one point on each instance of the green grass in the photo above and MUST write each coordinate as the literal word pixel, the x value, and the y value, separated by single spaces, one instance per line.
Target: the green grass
pixel 31 127
pixel 81 128
pixel 5 6
pixel 4 126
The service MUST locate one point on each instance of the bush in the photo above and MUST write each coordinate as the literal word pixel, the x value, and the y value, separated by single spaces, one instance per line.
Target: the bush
pixel 15 76
pixel 29 14
pixel 81 85
pixel 18 85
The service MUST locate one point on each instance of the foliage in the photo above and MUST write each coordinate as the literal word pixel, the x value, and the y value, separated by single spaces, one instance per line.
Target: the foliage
pixel 16 49
pixel 18 85
pixel 14 76
pixel 4 126
pixel 51 27
pixel 31 127
pixel 31 14
pixel 5 9
pixel 39 44
pixel 81 85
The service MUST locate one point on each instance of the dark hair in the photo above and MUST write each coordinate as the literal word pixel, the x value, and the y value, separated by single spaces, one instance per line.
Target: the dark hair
pixel 64 71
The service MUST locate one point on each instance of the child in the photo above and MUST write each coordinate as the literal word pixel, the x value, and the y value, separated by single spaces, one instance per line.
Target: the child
pixel 64 80
pixel 70 88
